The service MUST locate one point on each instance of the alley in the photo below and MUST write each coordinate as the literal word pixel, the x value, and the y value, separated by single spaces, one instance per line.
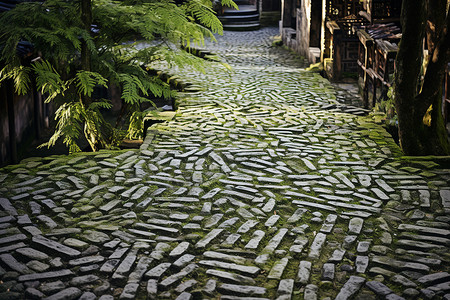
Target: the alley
pixel 267 184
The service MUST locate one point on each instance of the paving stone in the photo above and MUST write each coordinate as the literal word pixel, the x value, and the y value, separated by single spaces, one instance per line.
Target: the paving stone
pixel 411 293
pixel 349 241
pixel 129 291
pixel 158 271
pixel 225 257
pixel 178 276
pixel 394 297
pixel 80 280
pixel 45 275
pixel 230 276
pixel 363 247
pixel 124 268
pixel 86 260
pixel 400 279
pixel 278 268
pixel 304 271
pixel 66 294
pixel 378 288
pixel 427 294
pixel 310 292
pixel 213 220
pixel 12 238
pixel 208 238
pixel 445 198
pixel 249 270
pixel 355 225
pixel 139 270
pixel 402 265
pixel 328 225
pixel 361 263
pixel 434 278
pixel 247 226
pixel 8 207
pixel 242 289
pixel 37 266
pixel 32 293
pixel 317 245
pixel 297 215
pixel 254 242
pixel 425 230
pixel 350 288
pixel 441 287
pixel 183 261
pixel 13 264
pixel 118 253
pixel 185 296
pixel 180 249
pixel 328 271
pixel 210 286
pixel 285 287
pixel 275 241
pixel 52 287
pixel 337 255
pixel 152 288
pixel 88 296
pixel 269 206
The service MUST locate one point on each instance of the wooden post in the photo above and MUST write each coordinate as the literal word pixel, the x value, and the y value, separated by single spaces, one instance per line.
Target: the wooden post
pixel 11 121
pixel 337 54
pixel 37 101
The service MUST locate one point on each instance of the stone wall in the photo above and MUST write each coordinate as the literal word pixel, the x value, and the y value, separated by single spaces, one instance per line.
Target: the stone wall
pixel 303 27
pixel 26 121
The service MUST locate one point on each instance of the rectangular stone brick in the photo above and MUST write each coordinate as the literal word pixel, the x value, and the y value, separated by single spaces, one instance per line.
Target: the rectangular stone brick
pixel 316 245
pixel 178 276
pixel 12 238
pixel 208 238
pixel 50 245
pixel 231 266
pixel 45 275
pixel 8 207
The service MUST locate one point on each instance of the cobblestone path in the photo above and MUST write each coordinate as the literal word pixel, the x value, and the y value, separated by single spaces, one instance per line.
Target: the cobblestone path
pixel 261 187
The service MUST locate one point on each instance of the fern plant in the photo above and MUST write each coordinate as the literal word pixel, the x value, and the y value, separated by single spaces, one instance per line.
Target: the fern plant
pixel 123 41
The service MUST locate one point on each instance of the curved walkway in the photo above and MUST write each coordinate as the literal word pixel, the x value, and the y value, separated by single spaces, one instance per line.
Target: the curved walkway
pixel 261 187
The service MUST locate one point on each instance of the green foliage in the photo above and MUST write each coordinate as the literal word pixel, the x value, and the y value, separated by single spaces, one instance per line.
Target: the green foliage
pixel 48 80
pixel 386 109
pixel 86 81
pixel 128 38
pixel 136 127
pixel 73 119
pixel 20 75
pixel 69 126
pixel 203 12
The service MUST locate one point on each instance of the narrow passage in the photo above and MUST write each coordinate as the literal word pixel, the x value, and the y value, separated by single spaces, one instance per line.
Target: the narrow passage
pixel 265 185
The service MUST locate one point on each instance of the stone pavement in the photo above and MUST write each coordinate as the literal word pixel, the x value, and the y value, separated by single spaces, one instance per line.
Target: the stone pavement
pixel 264 186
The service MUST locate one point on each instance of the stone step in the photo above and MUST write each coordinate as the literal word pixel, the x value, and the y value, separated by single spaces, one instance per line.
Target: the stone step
pixel 242 27
pixel 240 12
pixel 239 18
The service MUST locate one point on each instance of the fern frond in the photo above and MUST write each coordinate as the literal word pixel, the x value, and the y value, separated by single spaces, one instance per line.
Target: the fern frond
pixel 136 126
pixel 21 77
pixel 205 15
pixel 101 103
pixel 69 118
pixel 48 80
pixel 230 3
pixel 86 81
pixel 130 89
